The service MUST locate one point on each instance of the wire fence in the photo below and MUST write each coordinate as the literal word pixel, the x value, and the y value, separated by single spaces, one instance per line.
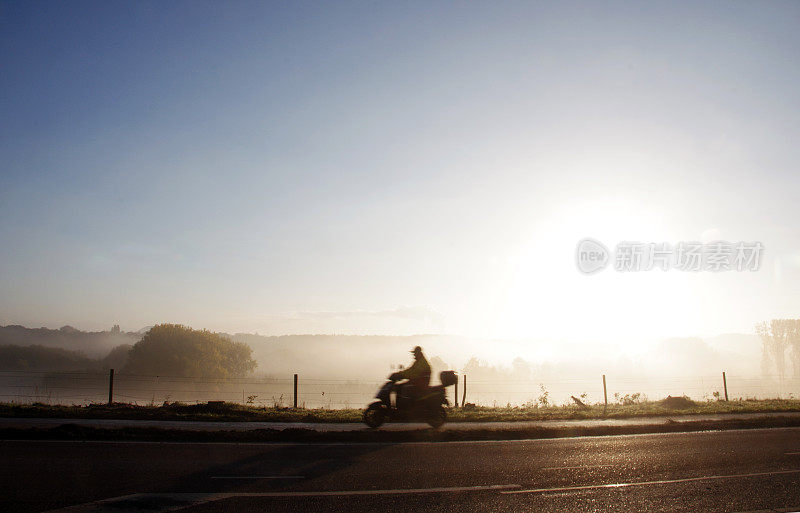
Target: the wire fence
pixel 81 388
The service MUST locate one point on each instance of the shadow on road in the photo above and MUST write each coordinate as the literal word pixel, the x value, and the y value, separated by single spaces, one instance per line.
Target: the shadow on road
pixel 286 467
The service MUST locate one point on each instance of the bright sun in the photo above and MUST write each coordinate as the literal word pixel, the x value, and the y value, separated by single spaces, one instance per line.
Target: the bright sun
pixel 548 298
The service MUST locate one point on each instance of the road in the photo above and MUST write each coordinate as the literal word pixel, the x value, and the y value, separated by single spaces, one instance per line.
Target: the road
pixel 740 470
pixel 192 425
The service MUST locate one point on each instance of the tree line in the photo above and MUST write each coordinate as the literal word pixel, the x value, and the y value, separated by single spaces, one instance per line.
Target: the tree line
pixel 165 350
pixel 780 339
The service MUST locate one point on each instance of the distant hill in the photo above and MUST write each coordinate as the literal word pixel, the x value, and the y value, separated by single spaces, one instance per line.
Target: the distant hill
pixel 50 359
pixel 94 344
pixel 735 353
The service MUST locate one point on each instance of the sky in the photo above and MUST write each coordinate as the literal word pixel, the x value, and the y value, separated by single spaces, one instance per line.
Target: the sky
pixel 395 168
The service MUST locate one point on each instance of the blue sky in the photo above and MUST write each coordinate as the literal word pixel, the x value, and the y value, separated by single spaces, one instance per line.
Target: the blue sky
pixel 382 168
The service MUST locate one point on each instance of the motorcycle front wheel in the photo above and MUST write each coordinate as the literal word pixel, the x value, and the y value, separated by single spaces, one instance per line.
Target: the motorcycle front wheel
pixel 436 418
pixel 375 415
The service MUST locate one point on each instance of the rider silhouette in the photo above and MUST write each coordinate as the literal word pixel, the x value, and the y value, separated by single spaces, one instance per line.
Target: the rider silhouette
pixel 418 375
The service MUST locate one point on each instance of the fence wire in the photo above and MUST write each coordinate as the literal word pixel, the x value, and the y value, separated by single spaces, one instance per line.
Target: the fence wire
pixel 88 388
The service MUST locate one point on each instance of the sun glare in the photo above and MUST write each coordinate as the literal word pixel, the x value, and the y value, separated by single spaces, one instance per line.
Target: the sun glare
pixel 548 296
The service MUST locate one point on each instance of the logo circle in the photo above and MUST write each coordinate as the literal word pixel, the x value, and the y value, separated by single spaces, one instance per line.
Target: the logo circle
pixel 591 256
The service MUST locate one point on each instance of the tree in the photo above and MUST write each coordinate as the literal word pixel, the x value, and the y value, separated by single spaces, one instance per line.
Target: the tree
pixel 793 341
pixel 438 365
pixel 521 369
pixel 117 358
pixel 481 370
pixel 776 337
pixel 176 350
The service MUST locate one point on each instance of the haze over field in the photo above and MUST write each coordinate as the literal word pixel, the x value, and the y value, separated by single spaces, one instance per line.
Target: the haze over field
pixel 413 169
pixel 343 370
pixel 372 356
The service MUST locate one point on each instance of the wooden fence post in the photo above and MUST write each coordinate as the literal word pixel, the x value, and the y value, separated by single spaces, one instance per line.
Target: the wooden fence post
pixel 456 401
pixel 605 395
pixel 464 393
pixel 110 386
pixel 295 391
pixel 725 385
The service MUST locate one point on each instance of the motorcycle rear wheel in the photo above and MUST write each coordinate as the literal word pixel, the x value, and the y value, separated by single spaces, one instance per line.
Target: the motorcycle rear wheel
pixel 375 415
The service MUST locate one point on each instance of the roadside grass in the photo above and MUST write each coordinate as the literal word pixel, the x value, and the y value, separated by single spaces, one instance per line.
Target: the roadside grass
pixel 243 413
pixel 301 434
pixel 623 411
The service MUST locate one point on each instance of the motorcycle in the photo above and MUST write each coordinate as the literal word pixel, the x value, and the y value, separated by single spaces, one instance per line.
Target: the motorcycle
pixel 429 407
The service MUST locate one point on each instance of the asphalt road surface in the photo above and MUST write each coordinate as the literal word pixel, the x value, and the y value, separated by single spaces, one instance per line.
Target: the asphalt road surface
pixel 707 471
pixel 193 425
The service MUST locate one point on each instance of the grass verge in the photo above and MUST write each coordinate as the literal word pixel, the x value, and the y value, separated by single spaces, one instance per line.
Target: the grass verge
pixel 244 413
pixel 363 435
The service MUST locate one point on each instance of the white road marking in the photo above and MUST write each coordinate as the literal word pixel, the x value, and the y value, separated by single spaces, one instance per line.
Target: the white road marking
pixel 148 501
pixel 396 491
pixel 774 510
pixel 645 483
pixel 140 502
pixel 576 467
pixel 257 477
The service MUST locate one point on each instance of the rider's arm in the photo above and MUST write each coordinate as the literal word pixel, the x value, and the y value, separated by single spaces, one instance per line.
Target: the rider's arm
pixel 411 372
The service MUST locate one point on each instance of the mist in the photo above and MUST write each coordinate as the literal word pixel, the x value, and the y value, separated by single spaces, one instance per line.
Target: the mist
pixel 345 370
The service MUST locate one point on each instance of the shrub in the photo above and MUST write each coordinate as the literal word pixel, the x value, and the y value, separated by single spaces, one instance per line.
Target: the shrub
pixel 175 350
